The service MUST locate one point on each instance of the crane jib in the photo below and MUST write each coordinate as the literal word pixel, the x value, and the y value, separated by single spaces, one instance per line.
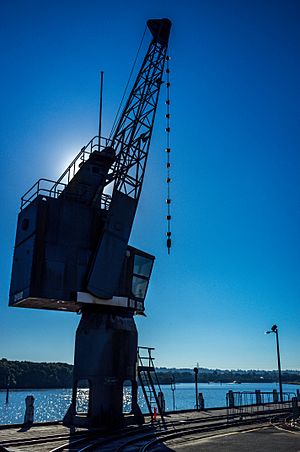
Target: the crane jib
pixel 160 29
pixel 132 135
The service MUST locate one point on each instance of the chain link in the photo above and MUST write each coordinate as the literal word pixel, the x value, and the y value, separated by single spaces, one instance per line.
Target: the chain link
pixel 168 153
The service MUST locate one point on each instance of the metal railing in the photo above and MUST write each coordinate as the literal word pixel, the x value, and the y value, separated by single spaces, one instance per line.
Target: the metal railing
pixel 46 187
pixel 105 201
pixel 253 402
pixel 53 189
pixel 148 360
pixel 149 382
pixel 93 145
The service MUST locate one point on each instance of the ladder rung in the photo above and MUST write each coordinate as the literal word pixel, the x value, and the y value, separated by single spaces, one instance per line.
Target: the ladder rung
pixel 146 357
pixel 148 382
pixel 145 368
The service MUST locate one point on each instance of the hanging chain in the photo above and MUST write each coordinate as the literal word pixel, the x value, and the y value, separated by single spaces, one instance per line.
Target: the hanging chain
pixel 168 152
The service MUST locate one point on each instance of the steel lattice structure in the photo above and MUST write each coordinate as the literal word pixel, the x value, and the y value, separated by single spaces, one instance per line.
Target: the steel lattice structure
pixel 132 136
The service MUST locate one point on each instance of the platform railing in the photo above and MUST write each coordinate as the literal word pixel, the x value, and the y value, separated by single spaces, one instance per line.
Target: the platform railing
pixel 148 360
pixel 93 145
pixel 53 189
pixel 46 187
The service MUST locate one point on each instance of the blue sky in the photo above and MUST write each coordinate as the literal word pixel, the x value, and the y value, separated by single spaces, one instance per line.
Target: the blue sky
pixel 234 266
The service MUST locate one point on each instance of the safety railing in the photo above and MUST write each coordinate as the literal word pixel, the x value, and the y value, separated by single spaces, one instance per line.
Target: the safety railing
pixel 105 201
pixel 253 402
pixel 53 189
pixel 148 360
pixel 149 382
pixel 46 187
pixel 93 145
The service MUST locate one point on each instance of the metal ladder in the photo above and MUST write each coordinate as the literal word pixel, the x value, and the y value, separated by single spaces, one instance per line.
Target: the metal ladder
pixel 148 380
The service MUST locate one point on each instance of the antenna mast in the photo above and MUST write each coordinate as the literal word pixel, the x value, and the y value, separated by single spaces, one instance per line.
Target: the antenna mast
pixel 100 108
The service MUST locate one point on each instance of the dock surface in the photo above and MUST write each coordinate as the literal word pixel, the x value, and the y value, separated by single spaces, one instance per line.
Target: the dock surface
pixel 194 431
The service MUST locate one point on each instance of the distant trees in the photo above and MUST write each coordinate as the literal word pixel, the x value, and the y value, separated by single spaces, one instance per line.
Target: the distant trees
pixel 25 374
pixel 226 376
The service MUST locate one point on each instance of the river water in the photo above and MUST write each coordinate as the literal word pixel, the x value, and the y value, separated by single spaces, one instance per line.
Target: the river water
pixel 52 404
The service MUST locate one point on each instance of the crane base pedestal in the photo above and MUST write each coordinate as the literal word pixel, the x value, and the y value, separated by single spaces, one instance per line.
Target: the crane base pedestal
pixel 104 370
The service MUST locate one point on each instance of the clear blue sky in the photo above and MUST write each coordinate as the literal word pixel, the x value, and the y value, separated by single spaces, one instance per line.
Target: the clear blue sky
pixel 235 265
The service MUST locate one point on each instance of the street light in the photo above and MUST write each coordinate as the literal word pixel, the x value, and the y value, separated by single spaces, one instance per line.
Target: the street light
pixel 173 388
pixel 274 329
pixel 196 370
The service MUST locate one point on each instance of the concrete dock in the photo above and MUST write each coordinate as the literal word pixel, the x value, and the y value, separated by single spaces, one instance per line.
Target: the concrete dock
pixel 265 438
pixel 210 430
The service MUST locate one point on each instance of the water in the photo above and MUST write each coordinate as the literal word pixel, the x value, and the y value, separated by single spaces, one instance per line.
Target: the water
pixel 52 404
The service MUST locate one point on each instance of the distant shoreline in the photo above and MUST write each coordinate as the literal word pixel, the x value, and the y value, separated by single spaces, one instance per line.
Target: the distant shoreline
pixel 27 375
pixel 3 390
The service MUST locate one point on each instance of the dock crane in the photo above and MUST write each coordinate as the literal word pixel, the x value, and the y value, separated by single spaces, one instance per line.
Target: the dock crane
pixel 72 253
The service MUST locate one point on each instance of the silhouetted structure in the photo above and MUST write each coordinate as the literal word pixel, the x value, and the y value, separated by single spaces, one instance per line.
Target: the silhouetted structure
pixel 72 253
pixel 274 329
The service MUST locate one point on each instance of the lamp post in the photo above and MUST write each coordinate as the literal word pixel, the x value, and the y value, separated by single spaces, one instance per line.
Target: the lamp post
pixel 274 329
pixel 173 388
pixel 7 388
pixel 196 370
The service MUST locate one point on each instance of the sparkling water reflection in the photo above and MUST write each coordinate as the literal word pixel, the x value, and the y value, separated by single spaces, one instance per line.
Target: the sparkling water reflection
pixel 52 404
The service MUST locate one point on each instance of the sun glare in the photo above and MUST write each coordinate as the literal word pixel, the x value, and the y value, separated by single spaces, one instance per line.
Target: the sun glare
pixel 65 159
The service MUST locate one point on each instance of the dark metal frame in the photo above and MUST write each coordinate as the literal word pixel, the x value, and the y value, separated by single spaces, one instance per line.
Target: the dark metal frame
pixel 146 370
pixel 53 188
pixel 274 329
pixel 131 139
pixel 132 136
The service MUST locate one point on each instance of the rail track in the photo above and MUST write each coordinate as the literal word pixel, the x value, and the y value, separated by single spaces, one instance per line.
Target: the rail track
pixel 145 438
pixel 42 440
pixel 141 439
pixel 145 443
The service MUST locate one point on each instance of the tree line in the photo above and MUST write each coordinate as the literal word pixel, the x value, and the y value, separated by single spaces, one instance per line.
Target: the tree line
pixel 25 375
pixel 228 376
